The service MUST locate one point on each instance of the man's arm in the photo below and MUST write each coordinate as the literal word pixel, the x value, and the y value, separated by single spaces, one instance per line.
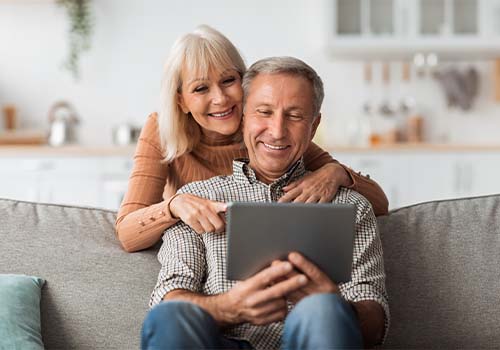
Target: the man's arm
pixel 371 321
pixel 259 300
pixel 366 290
pixel 182 259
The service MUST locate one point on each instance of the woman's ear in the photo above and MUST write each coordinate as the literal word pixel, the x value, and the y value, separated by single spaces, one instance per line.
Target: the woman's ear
pixel 182 105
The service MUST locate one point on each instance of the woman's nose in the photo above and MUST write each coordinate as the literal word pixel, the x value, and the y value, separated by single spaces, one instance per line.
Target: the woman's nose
pixel 219 96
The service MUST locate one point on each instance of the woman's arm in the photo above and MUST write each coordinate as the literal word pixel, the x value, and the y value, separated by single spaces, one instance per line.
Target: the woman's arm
pixel 144 214
pixel 320 162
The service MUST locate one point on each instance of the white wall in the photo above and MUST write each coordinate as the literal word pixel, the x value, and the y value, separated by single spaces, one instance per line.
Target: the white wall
pixel 121 74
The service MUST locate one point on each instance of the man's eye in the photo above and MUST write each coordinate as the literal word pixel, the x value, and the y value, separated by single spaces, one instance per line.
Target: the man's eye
pixel 263 111
pixel 295 117
pixel 201 88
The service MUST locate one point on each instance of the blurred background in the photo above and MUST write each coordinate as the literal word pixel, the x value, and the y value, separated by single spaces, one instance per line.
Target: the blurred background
pixel 412 87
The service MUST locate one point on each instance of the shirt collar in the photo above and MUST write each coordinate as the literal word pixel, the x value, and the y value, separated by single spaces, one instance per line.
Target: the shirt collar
pixel 242 172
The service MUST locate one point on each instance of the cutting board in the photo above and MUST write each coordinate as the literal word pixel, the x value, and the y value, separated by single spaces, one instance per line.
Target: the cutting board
pixel 23 137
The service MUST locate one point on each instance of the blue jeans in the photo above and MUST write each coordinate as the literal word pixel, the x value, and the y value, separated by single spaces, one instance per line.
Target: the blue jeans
pixel 320 321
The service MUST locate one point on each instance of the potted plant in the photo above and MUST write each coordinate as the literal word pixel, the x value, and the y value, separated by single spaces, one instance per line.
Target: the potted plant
pixel 80 31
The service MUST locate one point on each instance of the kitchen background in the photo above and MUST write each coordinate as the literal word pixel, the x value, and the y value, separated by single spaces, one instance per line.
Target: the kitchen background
pixel 379 91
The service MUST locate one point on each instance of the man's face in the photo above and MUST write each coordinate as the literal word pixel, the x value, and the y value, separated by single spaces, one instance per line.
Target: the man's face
pixel 278 123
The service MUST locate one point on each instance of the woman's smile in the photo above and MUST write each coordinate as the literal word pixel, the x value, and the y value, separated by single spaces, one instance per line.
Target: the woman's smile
pixel 223 115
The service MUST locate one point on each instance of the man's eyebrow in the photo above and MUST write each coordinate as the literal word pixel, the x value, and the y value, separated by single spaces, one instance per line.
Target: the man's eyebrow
pixel 264 104
pixel 294 108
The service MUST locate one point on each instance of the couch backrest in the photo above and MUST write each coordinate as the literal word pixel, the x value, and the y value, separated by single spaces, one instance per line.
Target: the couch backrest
pixel 442 261
pixel 96 294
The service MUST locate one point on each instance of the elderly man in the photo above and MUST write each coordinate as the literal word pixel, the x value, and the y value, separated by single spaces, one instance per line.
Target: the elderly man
pixel 292 303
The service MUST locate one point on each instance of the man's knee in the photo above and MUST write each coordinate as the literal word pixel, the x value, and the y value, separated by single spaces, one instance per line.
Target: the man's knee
pixel 178 324
pixel 320 306
pixel 176 316
pixel 324 311
pixel 322 321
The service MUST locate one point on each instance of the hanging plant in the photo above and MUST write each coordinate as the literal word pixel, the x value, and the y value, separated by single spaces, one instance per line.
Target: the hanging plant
pixel 80 31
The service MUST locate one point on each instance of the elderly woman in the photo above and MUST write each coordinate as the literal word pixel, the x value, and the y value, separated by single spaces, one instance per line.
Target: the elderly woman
pixel 196 135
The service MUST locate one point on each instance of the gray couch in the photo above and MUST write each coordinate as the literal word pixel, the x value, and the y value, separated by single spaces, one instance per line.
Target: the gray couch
pixel 442 261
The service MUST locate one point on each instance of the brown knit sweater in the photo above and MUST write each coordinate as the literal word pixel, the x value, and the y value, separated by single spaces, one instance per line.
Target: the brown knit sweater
pixel 143 214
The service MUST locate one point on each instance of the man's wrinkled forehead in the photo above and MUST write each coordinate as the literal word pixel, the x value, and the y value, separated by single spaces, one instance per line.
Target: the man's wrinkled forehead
pixel 264 88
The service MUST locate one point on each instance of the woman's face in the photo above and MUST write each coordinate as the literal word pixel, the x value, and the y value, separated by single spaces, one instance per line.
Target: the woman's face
pixel 215 101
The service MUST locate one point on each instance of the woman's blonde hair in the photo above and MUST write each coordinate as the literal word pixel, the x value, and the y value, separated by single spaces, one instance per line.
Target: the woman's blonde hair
pixel 200 51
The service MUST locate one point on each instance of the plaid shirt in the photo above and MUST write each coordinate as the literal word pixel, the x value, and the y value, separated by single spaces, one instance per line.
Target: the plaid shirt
pixel 197 262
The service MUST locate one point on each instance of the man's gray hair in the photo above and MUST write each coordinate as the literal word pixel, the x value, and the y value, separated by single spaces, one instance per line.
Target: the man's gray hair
pixel 286 65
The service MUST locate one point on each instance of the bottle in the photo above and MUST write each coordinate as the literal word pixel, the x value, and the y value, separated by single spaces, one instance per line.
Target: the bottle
pixel 9 117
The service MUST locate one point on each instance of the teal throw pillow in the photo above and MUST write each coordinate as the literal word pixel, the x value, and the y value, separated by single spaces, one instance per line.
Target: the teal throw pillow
pixel 20 326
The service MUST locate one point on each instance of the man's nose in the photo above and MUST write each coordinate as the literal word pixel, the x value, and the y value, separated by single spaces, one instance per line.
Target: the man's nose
pixel 219 96
pixel 277 126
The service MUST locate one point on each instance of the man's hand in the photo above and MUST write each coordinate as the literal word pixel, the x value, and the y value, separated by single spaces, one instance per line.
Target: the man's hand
pixel 317 280
pixel 201 214
pixel 319 186
pixel 261 299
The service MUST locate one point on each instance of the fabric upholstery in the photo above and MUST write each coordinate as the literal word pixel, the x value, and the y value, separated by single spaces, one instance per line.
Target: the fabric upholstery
pixel 96 295
pixel 442 262
pixel 20 312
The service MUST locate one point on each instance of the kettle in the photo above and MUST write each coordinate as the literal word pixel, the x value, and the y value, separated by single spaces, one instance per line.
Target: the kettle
pixel 62 118
pixel 125 134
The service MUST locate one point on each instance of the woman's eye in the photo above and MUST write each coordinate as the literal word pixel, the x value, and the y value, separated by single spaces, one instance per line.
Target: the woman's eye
pixel 229 80
pixel 200 89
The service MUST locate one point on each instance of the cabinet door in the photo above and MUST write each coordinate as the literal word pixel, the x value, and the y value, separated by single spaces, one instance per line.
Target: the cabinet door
pixel 433 176
pixel 479 174
pixel 115 181
pixel 389 170
pixel 383 29
pixel 73 181
pixel 61 189
pixel 20 178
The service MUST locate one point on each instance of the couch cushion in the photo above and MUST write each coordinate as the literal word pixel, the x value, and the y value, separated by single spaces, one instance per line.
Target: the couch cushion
pixel 96 295
pixel 20 312
pixel 442 261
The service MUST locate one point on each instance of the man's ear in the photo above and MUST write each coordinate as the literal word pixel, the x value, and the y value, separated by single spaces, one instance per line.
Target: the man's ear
pixel 315 125
pixel 182 105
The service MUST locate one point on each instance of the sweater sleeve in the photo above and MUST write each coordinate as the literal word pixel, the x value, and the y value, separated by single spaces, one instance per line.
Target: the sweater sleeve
pixel 315 157
pixel 144 214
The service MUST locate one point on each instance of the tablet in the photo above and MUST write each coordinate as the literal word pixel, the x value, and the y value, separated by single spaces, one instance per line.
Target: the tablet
pixel 258 233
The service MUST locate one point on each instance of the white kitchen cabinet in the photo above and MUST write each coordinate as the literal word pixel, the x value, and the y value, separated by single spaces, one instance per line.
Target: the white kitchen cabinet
pixel 79 180
pixel 385 29
pixel 409 177
pixel 389 170
pixel 432 176
pixel 479 173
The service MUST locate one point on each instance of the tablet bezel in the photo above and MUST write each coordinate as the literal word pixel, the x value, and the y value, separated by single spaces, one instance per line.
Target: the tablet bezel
pixel 256 236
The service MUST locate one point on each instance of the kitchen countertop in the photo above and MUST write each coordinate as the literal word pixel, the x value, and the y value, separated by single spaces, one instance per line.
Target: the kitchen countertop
pixel 128 151
pixel 416 147
pixel 67 151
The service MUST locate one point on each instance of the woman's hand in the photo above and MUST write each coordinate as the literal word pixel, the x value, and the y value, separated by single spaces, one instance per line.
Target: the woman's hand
pixel 201 214
pixel 319 186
